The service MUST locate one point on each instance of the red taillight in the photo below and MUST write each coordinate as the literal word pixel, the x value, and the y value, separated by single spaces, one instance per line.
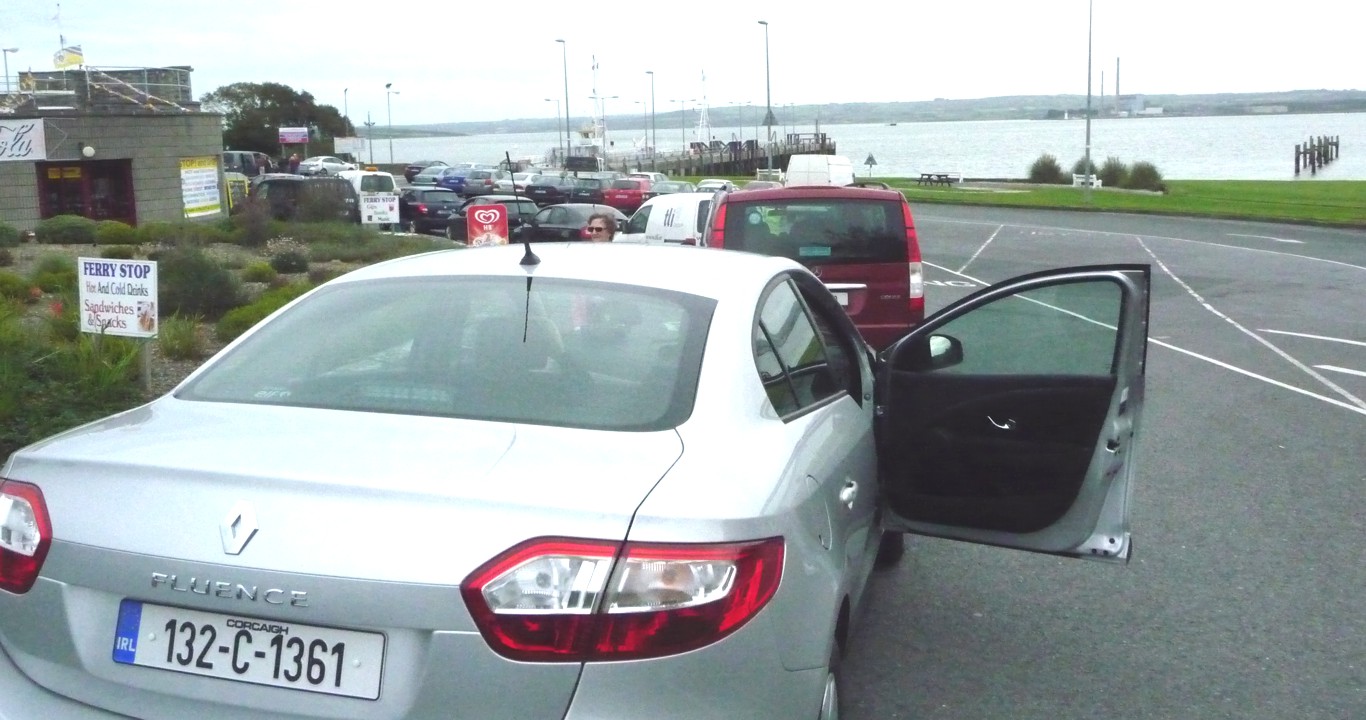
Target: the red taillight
pixel 559 599
pixel 25 535
pixel 421 209
pixel 718 228
pixel 583 233
pixel 916 281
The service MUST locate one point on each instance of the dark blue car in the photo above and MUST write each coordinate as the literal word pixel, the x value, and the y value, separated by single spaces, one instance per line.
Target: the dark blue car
pixel 453 178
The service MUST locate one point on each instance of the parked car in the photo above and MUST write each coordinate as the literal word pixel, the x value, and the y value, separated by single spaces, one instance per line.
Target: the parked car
pixel 861 242
pixel 550 189
pixel 412 169
pixel 653 177
pixel 714 184
pixel 247 162
pixel 588 190
pixel 564 221
pixel 519 210
pixel 428 175
pixel 626 194
pixel 516 181
pixel 653 470
pixel 324 165
pixel 424 209
pixel 761 185
pixel 297 197
pixel 479 181
pixel 453 178
pixel 669 187
pixel 674 218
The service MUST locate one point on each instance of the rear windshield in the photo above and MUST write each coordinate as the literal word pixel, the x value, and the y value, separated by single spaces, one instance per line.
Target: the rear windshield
pixel 589 183
pixel 440 196
pixel 819 231
pixel 376 183
pixel 565 353
pixel 626 185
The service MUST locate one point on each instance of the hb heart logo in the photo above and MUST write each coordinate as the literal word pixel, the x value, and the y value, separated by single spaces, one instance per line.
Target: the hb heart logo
pixel 486 217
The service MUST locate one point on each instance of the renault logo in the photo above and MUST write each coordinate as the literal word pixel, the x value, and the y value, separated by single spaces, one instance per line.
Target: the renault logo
pixel 238 528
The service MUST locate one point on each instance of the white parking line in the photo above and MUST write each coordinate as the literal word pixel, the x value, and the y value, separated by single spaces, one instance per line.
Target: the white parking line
pixel 980 249
pixel 1267 237
pixel 1313 337
pixel 1335 368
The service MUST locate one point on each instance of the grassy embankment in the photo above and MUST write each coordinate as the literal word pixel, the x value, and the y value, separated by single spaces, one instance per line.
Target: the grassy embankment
pixel 1318 202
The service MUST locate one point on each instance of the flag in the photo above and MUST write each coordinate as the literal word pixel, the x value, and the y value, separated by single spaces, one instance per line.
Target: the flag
pixel 69 56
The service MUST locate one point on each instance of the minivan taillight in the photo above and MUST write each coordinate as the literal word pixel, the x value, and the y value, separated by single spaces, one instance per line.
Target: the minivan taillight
pixel 915 292
pixel 25 535
pixel 718 227
pixel 573 600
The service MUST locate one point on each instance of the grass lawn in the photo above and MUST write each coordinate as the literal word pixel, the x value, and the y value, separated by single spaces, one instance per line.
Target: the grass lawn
pixel 1318 202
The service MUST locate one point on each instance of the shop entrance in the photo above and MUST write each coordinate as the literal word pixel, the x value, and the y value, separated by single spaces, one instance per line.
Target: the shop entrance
pixel 97 189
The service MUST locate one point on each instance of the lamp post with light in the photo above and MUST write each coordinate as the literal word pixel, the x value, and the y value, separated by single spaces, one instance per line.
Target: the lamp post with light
pixel 1086 186
pixel 683 122
pixel 389 107
pixel 564 57
pixel 768 102
pixel 558 137
pixel 6 51
pixel 654 137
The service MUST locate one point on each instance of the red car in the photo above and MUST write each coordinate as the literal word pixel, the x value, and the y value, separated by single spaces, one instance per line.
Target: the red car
pixel 627 195
pixel 860 242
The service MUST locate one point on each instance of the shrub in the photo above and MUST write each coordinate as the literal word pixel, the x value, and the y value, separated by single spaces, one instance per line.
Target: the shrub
pixel 1145 176
pixel 1079 167
pixel 323 273
pixel 253 222
pixel 119 252
pixel 289 261
pixel 14 286
pixel 1114 173
pixel 66 230
pixel 157 233
pixel 9 236
pixel 54 273
pixel 192 283
pixel 320 207
pixel 238 321
pixel 179 338
pixel 1046 170
pixel 113 232
pixel 63 322
pixel 6 257
pixel 259 271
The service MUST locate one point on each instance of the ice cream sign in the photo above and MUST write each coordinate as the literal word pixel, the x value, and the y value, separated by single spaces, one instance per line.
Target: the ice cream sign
pixel 118 297
pixel 486 225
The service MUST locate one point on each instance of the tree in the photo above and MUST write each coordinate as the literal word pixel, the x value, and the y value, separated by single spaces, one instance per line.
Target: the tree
pixel 253 113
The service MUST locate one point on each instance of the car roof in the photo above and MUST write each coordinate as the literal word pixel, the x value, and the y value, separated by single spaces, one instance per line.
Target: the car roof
pixel 809 192
pixel 706 272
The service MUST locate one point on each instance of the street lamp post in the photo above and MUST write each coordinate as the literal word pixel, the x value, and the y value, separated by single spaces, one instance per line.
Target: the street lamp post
pixel 1086 186
pixel 346 109
pixel 644 118
pixel 558 137
pixel 564 57
pixel 6 51
pixel 370 136
pixel 389 94
pixel 683 122
pixel 654 138
pixel 768 102
pixel 602 112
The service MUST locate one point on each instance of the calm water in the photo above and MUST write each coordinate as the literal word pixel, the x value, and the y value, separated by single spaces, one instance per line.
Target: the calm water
pixel 1247 147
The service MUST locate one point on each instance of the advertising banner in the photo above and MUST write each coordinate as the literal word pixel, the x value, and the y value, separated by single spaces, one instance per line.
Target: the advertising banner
pixel 486 225
pixel 379 208
pixel 118 297
pixel 22 141
pixel 293 135
pixel 199 186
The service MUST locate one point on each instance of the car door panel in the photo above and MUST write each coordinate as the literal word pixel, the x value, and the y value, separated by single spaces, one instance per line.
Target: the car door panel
pixel 979 448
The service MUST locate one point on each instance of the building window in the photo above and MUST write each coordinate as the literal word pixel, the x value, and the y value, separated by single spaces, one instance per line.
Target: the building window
pixel 97 189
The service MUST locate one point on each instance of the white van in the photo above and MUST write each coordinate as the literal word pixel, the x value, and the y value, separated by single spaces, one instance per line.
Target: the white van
pixel 819 170
pixel 673 218
pixel 378 196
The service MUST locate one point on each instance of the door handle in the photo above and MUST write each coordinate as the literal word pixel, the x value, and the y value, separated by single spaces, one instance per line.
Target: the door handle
pixel 848 493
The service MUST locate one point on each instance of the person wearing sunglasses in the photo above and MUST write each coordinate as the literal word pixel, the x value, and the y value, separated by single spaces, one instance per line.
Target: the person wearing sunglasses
pixel 601 227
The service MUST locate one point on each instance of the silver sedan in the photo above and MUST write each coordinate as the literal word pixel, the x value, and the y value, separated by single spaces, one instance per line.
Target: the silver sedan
pixel 596 481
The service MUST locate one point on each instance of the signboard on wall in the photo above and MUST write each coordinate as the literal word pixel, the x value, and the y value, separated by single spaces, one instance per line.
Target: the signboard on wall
pixel 22 141
pixel 118 297
pixel 199 186
pixel 293 135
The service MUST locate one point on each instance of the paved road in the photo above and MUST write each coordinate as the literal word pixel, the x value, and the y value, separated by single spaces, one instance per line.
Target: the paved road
pixel 1246 597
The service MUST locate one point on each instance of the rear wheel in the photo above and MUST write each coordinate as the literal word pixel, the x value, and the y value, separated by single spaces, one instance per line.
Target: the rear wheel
pixel 830 700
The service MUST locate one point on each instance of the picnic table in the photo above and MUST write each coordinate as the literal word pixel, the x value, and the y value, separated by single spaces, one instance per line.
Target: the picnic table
pixel 937 178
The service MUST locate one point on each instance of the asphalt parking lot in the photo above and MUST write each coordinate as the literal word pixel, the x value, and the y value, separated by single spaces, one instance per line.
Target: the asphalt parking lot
pixel 1245 595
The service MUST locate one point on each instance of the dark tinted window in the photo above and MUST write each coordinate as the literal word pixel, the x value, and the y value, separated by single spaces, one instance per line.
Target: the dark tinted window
pixel 440 196
pixel 818 231
pixel 376 183
pixel 588 183
pixel 790 356
pixel 594 355
pixel 626 185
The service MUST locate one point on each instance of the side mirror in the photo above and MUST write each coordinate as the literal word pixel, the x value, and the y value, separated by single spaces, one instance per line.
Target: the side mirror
pixel 934 352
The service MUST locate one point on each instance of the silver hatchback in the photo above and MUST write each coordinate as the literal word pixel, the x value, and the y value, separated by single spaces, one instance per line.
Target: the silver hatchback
pixel 574 484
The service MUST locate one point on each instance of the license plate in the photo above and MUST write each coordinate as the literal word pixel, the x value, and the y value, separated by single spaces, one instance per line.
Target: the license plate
pixel 842 298
pixel 264 652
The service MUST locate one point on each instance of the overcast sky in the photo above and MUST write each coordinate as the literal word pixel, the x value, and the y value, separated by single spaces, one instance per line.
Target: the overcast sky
pixel 454 60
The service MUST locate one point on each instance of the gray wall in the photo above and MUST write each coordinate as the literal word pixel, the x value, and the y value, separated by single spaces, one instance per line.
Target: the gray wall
pixel 154 142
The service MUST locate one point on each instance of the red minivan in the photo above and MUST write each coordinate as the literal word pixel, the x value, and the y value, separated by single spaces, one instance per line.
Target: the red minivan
pixel 627 194
pixel 860 242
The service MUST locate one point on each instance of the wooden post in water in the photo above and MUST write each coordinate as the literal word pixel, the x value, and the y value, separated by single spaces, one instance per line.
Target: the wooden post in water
pixel 1297 159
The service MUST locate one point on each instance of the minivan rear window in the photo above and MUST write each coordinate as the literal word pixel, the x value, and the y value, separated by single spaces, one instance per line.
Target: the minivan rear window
pixel 626 185
pixel 376 183
pixel 819 231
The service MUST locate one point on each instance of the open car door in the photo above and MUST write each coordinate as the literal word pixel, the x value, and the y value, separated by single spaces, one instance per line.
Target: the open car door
pixel 1009 418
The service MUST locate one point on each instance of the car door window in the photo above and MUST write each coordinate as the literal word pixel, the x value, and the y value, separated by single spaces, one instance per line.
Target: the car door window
pixel 543 217
pixel 639 220
pixel 789 354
